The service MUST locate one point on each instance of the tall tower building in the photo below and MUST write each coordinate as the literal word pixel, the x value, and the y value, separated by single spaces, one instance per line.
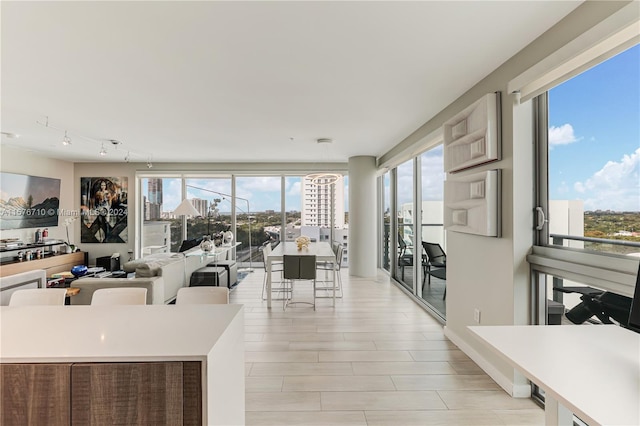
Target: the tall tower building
pixel 201 205
pixel 154 193
pixel 316 203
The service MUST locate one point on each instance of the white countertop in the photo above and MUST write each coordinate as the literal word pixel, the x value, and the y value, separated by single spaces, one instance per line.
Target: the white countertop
pixel 112 333
pixel 593 370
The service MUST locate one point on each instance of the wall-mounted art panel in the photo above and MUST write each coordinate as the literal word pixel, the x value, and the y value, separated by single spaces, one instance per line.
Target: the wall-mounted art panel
pixel 472 203
pixel 472 137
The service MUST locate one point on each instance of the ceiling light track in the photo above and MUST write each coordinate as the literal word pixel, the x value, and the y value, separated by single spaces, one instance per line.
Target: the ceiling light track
pixel 67 141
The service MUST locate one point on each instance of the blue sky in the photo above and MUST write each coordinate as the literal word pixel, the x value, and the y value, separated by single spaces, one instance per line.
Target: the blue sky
pixel 594 135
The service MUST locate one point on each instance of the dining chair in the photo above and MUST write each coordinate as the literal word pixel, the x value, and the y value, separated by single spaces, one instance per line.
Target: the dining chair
pixel 335 268
pixel 276 267
pixel 202 295
pixel 38 296
pixel 120 296
pixel 296 268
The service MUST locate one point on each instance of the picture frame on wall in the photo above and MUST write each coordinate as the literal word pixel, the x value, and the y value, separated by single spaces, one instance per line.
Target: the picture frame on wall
pixel 103 209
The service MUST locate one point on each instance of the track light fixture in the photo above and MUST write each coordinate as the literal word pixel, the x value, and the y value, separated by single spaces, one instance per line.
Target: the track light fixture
pixel 68 134
pixel 66 141
pixel 149 165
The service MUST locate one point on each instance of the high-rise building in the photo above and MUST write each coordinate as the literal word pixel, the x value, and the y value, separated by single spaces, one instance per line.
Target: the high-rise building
pixel 154 197
pixel 316 203
pixel 201 205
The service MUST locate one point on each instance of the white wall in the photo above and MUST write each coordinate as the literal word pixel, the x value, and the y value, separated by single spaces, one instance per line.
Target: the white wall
pixel 24 162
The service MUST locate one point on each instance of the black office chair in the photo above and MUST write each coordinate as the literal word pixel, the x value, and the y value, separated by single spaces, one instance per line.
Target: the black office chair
pixel 436 258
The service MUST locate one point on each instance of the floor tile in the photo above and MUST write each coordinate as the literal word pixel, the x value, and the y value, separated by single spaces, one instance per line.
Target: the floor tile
pixel 263 384
pixel 281 356
pixel 486 400
pixel 444 382
pixel 301 369
pixel 337 383
pixel 412 367
pixel 308 418
pixel 397 400
pixel 282 401
pixel 345 356
pixel 432 418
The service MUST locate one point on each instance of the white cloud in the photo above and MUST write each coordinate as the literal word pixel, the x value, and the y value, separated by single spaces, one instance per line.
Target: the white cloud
pixel 562 135
pixel 614 187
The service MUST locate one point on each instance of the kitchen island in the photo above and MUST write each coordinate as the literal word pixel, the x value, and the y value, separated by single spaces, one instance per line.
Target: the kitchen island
pixel 92 360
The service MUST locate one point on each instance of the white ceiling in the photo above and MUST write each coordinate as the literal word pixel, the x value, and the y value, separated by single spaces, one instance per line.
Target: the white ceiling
pixel 246 81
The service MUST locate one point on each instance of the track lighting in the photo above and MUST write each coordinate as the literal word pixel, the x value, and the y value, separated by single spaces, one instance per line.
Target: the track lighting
pixel 66 141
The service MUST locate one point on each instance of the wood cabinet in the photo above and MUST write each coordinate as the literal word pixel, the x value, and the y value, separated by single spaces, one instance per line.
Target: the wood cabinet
pixel 51 264
pixel 35 394
pixel 144 393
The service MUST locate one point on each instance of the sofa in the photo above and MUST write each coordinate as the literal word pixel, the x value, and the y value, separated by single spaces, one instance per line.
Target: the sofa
pixel 162 274
pixel 31 279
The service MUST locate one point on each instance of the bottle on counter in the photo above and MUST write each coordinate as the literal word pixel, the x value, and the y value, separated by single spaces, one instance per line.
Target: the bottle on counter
pixel 38 236
pixel 45 233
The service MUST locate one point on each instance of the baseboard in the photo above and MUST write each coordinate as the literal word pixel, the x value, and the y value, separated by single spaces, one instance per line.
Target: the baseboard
pixel 506 383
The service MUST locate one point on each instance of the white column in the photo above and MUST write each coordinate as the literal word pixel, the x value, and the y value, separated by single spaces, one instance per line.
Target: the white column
pixel 362 247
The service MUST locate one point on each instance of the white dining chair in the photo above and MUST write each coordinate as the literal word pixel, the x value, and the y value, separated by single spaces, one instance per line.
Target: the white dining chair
pixel 202 295
pixel 276 268
pixel 38 296
pixel 120 296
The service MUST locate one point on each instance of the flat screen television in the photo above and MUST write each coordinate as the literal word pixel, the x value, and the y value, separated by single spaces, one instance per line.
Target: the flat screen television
pixel 634 315
pixel 28 201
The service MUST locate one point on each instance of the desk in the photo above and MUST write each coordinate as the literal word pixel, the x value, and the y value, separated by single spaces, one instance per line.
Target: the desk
pixel 592 371
pixel 322 251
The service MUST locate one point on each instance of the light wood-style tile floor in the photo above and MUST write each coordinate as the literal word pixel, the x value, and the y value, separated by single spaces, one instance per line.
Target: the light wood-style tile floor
pixel 377 358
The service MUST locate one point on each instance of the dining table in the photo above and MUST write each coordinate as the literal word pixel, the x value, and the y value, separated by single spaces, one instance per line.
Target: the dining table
pixel 321 250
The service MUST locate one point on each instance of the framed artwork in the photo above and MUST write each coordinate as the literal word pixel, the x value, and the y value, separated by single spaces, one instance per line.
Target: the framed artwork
pixel 103 208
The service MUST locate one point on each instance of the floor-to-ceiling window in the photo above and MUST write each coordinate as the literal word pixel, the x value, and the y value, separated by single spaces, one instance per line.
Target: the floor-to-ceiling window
pixel 386 220
pixel 432 226
pixel 590 154
pixel 212 198
pixel 258 209
pixel 588 189
pixel 162 231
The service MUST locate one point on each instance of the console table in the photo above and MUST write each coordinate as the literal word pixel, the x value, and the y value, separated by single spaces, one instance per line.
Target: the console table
pixel 592 371
pixel 193 372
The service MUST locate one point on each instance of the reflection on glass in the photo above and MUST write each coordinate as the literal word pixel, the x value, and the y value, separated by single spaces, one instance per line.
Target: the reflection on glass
pixel 405 217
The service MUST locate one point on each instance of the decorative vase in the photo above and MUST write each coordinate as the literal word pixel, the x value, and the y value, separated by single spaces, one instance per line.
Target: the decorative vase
pixel 79 270
pixel 227 238
pixel 206 245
